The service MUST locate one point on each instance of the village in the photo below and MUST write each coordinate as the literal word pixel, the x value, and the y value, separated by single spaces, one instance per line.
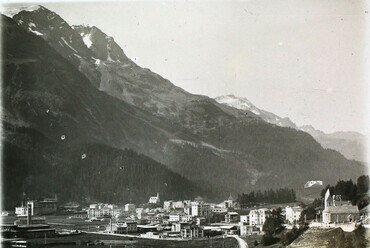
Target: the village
pixel 173 220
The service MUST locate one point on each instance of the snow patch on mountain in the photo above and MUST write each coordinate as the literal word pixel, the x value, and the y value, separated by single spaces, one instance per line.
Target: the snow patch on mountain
pixel 244 104
pixel 11 11
pixel 65 42
pixel 36 32
pixel 214 149
pixel 87 40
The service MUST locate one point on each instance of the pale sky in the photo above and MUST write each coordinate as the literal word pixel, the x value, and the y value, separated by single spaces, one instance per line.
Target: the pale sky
pixel 305 60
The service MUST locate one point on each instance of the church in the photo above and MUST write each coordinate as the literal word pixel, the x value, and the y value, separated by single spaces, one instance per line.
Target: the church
pixel 154 199
pixel 338 211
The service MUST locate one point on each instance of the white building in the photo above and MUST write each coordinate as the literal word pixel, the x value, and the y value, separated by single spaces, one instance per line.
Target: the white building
pixel 244 219
pixel 154 199
pixel 129 207
pixel 178 204
pixel 167 205
pixel 175 217
pixel 232 217
pixel 21 211
pixel 200 209
pixel 292 214
pixel 258 216
pixel 230 203
pixel 101 209
pixel 338 211
pixel 186 218
pixel 246 230
pixel 218 208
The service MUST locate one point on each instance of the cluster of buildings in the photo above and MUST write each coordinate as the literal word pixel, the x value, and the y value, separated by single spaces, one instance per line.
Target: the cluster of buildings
pixel 184 219
pixel 43 207
pixel 28 227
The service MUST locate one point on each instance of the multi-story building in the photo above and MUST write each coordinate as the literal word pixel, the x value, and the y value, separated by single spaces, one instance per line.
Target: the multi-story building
pixel 258 216
pixel 292 214
pixel 175 216
pixel 244 219
pixel 191 231
pixel 129 207
pixel 246 230
pixel 178 205
pixel 216 209
pixel 122 227
pixel 21 211
pixel 186 218
pixel 139 213
pixel 232 217
pixel 100 210
pixel 79 215
pixel 167 205
pixel 230 203
pixel 200 209
pixel 46 206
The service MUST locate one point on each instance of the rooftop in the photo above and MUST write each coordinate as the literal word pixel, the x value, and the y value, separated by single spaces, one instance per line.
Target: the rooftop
pixel 341 209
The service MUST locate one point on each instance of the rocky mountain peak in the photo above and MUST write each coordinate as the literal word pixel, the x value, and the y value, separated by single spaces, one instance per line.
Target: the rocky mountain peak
pixel 10 12
pixel 244 104
pixel 102 46
pixel 55 30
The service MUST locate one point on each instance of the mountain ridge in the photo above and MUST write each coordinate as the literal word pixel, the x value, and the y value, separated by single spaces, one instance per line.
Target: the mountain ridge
pixel 350 144
pixel 60 93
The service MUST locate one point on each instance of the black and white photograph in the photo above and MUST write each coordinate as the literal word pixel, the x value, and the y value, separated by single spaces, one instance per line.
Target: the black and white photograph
pixel 178 124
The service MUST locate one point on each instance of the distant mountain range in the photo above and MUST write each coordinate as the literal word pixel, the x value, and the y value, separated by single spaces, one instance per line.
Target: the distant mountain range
pixel 350 144
pixel 75 87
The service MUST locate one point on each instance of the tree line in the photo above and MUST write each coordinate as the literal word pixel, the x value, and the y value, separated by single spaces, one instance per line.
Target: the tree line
pixel 351 191
pixel 283 195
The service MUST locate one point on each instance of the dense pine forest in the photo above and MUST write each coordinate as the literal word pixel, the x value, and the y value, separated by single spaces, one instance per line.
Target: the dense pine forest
pixel 282 195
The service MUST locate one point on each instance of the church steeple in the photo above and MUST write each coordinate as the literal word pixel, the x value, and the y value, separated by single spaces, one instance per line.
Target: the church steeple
pixel 326 199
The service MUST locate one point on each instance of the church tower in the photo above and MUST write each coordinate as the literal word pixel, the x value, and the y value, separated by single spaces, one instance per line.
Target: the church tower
pixel 327 199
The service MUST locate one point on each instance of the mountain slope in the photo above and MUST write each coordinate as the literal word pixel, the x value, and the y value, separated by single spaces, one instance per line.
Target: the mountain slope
pixel 104 63
pixel 120 104
pixel 52 115
pixel 85 172
pixel 350 144
pixel 244 104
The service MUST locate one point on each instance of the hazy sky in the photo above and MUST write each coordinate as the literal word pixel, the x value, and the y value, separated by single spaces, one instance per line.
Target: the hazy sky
pixel 305 60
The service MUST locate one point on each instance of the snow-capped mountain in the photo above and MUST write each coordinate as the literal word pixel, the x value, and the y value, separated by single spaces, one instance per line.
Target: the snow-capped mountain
pixel 350 144
pixel 79 83
pixel 11 11
pixel 244 104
